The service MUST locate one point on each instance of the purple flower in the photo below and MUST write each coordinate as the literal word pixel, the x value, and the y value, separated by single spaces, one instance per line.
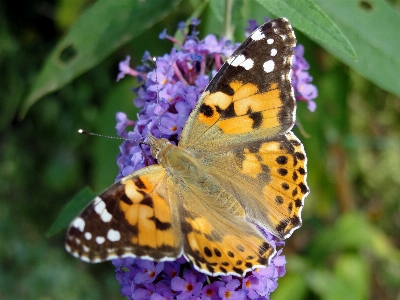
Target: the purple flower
pixel 229 291
pixel 211 291
pixel 122 123
pixel 166 95
pixel 304 90
pixel 148 271
pixel 188 286
pixel 125 69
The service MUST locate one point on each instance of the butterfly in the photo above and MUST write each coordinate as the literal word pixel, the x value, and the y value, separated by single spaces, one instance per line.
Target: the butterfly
pixel 237 169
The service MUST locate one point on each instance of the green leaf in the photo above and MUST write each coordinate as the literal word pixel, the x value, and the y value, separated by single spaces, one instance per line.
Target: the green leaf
pixel 353 268
pixel 291 286
pixel 373 30
pixel 306 16
pixel 353 231
pixel 104 27
pixel 350 279
pixel 70 211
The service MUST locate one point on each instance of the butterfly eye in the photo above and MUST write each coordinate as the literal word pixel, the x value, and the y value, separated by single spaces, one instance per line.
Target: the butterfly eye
pixel 155 153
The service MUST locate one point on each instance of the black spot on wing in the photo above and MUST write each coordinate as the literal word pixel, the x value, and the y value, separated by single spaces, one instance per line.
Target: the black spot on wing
pixel 228 112
pixel 206 110
pixel 282 171
pixel 303 188
pixel 282 160
pixel 148 201
pixel 298 203
pixel 257 119
pixel 279 200
pixel 162 225
pixel 207 252
pixel 139 183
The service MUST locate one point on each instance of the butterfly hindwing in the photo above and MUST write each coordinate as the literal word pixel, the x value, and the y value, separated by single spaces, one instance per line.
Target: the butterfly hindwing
pixel 267 178
pixel 218 238
pixel 251 96
pixel 133 217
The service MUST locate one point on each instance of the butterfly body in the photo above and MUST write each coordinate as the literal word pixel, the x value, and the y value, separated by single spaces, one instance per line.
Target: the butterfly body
pixel 237 169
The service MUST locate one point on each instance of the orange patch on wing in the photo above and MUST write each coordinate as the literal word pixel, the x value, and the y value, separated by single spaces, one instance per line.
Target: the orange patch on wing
pixel 218 99
pixel 162 210
pixel 245 91
pixel 131 212
pixel 235 85
pixel 272 98
pixel 270 119
pixel 166 237
pixel 146 227
pixel 131 190
pixel 250 165
pixel 269 147
pixel 237 125
pixel 163 213
pixel 273 86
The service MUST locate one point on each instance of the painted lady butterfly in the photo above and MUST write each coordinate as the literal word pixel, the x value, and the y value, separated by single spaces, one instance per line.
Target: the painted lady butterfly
pixel 237 168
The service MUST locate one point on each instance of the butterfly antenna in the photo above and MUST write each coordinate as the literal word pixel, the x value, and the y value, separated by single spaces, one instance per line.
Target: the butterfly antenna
pixel 82 131
pixel 158 95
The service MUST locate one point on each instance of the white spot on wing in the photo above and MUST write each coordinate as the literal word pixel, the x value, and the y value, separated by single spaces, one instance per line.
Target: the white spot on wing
pixel 100 240
pixel 101 210
pixel 273 52
pixel 242 61
pixel 106 216
pixel 88 236
pixel 269 66
pixel 113 235
pixel 238 60
pixel 84 258
pixel 85 248
pixel 257 35
pixel 79 223
pixel 270 41
pixel 247 64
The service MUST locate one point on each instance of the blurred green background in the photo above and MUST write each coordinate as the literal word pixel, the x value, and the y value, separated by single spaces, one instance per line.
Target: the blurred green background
pixel 58 64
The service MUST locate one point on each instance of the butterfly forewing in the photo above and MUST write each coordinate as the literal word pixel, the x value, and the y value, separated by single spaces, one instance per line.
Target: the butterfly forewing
pixel 251 96
pixel 133 217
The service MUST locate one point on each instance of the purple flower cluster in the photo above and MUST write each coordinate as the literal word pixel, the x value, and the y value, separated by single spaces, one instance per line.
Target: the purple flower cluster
pixel 166 95
pixel 303 89
pixel 144 279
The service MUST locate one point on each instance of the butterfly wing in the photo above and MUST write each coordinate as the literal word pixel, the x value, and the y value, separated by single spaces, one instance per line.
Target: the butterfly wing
pixel 240 130
pixel 268 178
pixel 251 96
pixel 218 239
pixel 134 217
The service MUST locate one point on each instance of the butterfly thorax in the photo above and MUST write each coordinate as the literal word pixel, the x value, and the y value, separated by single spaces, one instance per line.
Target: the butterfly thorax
pixel 176 160
pixel 188 173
